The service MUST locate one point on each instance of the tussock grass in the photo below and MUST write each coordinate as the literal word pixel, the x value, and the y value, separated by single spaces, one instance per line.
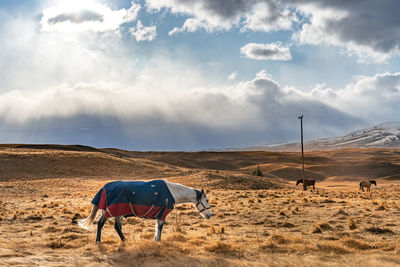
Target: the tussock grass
pixel 331 247
pixel 377 230
pixel 243 232
pixel 352 224
pixel 224 248
pixel 356 244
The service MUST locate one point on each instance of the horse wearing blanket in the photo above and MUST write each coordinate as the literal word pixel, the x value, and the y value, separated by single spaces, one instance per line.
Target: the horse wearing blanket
pixel 151 200
pixel 367 184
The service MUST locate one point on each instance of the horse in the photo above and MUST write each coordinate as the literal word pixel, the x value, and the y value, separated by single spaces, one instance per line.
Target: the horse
pixel 151 200
pixel 367 184
pixel 306 182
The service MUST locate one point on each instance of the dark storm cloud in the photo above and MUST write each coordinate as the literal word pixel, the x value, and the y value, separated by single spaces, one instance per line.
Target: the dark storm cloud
pixel 368 22
pixel 223 8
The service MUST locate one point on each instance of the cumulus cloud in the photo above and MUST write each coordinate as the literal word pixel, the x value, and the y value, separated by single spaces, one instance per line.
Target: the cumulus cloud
pixel 260 108
pixel 232 76
pixel 190 25
pixel 142 33
pixel 87 17
pixel 366 30
pixel 371 98
pixel 79 16
pixel 217 15
pixel 272 51
pixel 269 16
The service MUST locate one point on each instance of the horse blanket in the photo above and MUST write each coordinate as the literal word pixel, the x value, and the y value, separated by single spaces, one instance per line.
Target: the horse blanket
pixel 151 200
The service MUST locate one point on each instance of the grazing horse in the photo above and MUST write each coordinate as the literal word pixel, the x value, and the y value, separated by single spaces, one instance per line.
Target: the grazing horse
pixel 151 200
pixel 306 183
pixel 367 184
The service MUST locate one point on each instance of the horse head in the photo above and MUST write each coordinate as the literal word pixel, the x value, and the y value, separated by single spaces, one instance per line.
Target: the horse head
pixel 373 182
pixel 202 205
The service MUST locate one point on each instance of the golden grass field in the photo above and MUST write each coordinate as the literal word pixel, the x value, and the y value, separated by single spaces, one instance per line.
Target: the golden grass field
pixel 259 221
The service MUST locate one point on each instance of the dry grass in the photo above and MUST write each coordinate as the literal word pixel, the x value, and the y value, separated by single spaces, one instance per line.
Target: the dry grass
pixel 334 225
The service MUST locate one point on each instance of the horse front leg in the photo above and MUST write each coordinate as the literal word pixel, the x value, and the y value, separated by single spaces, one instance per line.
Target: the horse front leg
pixel 118 227
pixel 100 225
pixel 158 230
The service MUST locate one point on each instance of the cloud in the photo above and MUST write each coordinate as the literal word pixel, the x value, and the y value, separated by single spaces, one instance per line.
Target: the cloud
pixel 79 16
pixel 190 25
pixel 366 30
pixel 269 16
pixel 142 33
pixel 375 98
pixel 251 112
pixel 272 51
pixel 86 17
pixel 232 76
pixel 218 15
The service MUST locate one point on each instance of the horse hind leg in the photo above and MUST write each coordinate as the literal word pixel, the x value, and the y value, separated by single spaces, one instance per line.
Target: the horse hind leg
pixel 100 225
pixel 118 227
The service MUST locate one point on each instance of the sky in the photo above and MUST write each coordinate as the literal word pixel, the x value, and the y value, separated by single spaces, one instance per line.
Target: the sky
pixel 195 75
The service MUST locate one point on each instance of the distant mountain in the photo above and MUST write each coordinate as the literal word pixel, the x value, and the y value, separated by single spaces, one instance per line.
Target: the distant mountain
pixel 383 135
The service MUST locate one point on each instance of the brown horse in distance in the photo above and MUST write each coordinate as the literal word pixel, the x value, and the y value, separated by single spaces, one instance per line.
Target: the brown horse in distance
pixel 306 182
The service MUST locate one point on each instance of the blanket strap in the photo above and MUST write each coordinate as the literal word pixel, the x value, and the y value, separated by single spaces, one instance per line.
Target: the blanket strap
pixel 147 212
pixel 133 211
pixel 109 212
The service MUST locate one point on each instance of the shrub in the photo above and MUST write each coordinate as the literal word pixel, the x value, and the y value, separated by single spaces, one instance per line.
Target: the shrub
pixel 257 172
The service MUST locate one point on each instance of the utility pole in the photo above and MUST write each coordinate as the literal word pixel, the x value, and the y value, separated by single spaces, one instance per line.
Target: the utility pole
pixel 302 148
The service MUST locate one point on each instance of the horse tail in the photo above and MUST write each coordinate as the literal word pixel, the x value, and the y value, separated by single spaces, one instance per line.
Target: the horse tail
pixel 87 223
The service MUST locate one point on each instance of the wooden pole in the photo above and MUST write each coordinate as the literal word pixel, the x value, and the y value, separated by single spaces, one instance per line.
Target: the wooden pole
pixel 302 147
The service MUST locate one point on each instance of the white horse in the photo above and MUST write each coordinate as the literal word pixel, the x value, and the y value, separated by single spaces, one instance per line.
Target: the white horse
pixel 180 193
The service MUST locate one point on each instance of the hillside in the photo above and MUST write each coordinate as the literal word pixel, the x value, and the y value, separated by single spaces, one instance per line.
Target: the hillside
pixel 217 169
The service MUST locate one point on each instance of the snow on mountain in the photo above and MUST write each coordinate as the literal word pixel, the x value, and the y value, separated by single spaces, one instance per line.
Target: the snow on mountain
pixel 382 135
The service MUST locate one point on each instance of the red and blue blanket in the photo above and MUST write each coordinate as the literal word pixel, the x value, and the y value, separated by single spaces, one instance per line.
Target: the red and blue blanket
pixel 151 200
